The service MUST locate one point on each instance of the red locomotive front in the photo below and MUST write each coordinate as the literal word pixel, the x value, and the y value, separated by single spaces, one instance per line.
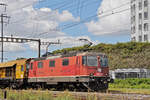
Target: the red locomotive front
pixel 77 70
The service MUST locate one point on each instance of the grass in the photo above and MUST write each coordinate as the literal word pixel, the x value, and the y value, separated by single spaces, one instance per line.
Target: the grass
pixel 48 95
pixel 133 83
pixel 36 95
pixel 66 95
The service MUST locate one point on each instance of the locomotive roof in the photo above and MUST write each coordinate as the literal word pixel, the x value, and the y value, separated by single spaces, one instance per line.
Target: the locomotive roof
pixel 69 55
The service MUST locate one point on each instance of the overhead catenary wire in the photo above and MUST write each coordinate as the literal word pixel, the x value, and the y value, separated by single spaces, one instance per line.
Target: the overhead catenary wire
pixel 22 20
pixel 110 10
pixel 63 4
pixel 55 9
pixel 94 16
pixel 83 21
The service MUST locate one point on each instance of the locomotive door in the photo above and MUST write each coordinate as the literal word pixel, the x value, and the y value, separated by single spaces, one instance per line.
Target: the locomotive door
pixel 77 66
pixel 32 70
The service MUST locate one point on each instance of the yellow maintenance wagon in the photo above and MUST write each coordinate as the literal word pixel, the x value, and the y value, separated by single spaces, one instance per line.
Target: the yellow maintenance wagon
pixel 13 73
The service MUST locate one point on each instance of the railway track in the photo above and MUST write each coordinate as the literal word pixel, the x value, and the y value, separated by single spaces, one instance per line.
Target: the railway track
pixel 106 96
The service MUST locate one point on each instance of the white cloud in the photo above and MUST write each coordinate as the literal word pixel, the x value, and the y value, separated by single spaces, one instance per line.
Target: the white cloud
pixel 66 16
pixel 27 21
pixel 13 47
pixel 114 24
pixel 45 9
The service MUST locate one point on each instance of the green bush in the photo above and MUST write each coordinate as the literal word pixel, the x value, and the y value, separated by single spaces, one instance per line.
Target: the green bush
pixel 133 83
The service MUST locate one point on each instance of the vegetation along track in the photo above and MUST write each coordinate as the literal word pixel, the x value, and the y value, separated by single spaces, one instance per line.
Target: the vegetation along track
pixel 110 95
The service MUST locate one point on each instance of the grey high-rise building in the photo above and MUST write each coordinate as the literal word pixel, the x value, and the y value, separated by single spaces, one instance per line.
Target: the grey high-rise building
pixel 140 20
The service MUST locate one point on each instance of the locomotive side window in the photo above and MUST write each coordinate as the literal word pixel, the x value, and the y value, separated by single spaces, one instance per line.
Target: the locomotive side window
pixel 40 64
pixel 65 62
pixel 52 63
pixel 31 66
pixel 22 68
pixel 84 60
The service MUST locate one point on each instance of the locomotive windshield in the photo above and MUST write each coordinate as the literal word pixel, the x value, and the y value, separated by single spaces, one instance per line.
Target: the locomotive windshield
pixel 90 61
pixel 103 61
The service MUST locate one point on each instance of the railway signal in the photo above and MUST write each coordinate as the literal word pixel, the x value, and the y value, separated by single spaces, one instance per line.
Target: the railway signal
pixel 25 40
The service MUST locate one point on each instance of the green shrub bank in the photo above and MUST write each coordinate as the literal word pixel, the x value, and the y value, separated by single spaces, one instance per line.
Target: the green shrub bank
pixel 121 55
pixel 131 83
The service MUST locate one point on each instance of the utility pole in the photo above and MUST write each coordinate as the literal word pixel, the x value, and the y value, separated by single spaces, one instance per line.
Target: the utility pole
pixel 2 30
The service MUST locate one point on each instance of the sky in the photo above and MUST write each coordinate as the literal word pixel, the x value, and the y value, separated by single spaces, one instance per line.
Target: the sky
pixel 99 21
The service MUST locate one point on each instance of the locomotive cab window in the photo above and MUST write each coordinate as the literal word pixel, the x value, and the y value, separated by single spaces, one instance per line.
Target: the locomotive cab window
pixel 103 61
pixel 52 63
pixel 40 64
pixel 65 62
pixel 90 61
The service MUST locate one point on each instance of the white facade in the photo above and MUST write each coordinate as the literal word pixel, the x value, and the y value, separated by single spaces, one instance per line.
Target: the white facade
pixel 140 20
pixel 130 73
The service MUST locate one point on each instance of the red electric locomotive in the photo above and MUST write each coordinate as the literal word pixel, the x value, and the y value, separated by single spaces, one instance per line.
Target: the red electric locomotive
pixel 88 70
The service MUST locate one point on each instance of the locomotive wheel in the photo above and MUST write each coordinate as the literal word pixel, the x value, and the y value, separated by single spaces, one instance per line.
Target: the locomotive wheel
pixel 96 86
pixel 13 86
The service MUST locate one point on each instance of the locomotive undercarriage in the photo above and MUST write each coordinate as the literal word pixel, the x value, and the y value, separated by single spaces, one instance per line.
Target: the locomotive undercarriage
pixel 76 84
pixel 97 84
pixel 11 83
pixel 72 84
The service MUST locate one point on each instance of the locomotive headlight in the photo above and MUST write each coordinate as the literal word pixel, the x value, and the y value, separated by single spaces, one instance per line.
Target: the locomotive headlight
pixel 99 70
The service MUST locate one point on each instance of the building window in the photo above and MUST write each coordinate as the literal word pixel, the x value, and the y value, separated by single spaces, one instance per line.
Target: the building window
pixel 146 3
pixel 140 27
pixel 133 10
pixel 146 27
pixel 146 37
pixel 31 66
pixel 133 39
pixel 140 38
pixel 133 29
pixel 134 7
pixel 22 68
pixel 140 16
pixel 40 64
pixel 133 19
pixel 52 63
pixel 140 5
pixel 145 15
pixel 65 62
